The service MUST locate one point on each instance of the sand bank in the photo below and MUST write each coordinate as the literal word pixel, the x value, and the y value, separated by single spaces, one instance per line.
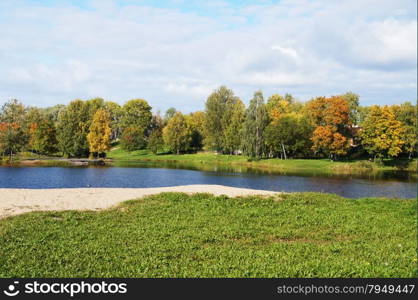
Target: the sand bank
pixel 17 201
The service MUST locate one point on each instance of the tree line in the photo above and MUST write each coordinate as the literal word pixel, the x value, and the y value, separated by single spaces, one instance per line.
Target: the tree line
pixel 336 127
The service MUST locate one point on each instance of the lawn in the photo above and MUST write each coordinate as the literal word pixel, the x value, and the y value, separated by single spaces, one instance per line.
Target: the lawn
pixel 176 235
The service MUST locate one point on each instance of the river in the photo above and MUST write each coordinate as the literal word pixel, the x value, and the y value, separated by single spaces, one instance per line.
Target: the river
pixel 384 184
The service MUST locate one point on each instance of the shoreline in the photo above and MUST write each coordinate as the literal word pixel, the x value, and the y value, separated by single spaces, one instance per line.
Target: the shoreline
pixel 19 201
pixel 348 167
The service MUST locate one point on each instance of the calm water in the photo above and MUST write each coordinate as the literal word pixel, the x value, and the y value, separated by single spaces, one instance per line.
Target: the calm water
pixel 399 185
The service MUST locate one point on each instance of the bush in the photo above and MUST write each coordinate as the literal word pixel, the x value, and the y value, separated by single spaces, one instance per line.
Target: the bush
pixel 364 164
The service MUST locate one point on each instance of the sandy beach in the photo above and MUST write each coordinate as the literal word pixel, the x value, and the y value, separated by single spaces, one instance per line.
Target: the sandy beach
pixel 17 201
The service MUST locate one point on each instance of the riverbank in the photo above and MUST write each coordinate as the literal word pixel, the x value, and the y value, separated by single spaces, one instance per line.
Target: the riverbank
pixel 201 235
pixel 207 160
pixel 18 201
pixel 275 164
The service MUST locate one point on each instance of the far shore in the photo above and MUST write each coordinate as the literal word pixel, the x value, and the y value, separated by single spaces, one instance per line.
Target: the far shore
pixel 204 159
pixel 18 201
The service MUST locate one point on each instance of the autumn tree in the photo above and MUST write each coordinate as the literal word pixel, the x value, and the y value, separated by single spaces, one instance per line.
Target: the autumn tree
pixel 42 134
pixel 326 140
pixel 99 133
pixel 256 120
pixel 381 133
pixel 219 109
pixel 276 106
pixel 13 133
pixel 177 134
pixel 331 120
pixel 286 129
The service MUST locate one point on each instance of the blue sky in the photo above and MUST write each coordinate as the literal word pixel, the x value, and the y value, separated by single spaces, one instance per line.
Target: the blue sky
pixel 175 52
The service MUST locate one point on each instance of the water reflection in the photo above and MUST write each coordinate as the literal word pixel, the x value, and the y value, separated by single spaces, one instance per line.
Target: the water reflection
pixel 398 175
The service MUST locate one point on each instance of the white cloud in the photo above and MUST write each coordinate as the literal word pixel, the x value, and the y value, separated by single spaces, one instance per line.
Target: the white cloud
pixel 292 53
pixel 176 57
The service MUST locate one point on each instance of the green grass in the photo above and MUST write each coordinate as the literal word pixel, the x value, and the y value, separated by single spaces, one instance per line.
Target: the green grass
pixel 315 165
pixel 176 235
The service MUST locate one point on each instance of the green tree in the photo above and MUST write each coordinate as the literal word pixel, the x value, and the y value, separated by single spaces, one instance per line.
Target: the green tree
pixel 169 114
pixel 381 133
pixel 54 111
pixel 218 108
pixel 13 130
pixel 353 101
pixel 288 136
pixel 133 138
pixel 72 129
pixel 289 98
pixel 93 105
pixel 406 113
pixel 155 141
pixel 233 130
pixel 196 124
pixel 137 113
pixel 363 112
pixel 157 123
pixel 177 134
pixel 256 121
pixel 99 133
pixel 34 115
pixel 116 112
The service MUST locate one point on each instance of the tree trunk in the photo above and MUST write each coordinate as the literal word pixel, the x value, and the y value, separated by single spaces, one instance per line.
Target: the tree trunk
pixel 284 151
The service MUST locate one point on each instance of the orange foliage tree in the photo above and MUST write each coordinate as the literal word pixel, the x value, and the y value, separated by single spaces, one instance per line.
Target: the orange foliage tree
pixel 331 119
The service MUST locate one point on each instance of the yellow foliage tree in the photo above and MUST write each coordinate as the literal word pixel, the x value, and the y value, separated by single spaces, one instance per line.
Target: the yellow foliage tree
pixel 277 106
pixel 381 133
pixel 100 132
pixel 177 134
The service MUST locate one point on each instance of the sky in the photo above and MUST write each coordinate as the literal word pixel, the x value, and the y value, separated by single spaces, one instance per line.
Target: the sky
pixel 174 53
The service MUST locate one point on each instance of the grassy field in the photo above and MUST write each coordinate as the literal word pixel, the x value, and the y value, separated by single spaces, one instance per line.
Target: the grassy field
pixel 176 235
pixel 319 165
